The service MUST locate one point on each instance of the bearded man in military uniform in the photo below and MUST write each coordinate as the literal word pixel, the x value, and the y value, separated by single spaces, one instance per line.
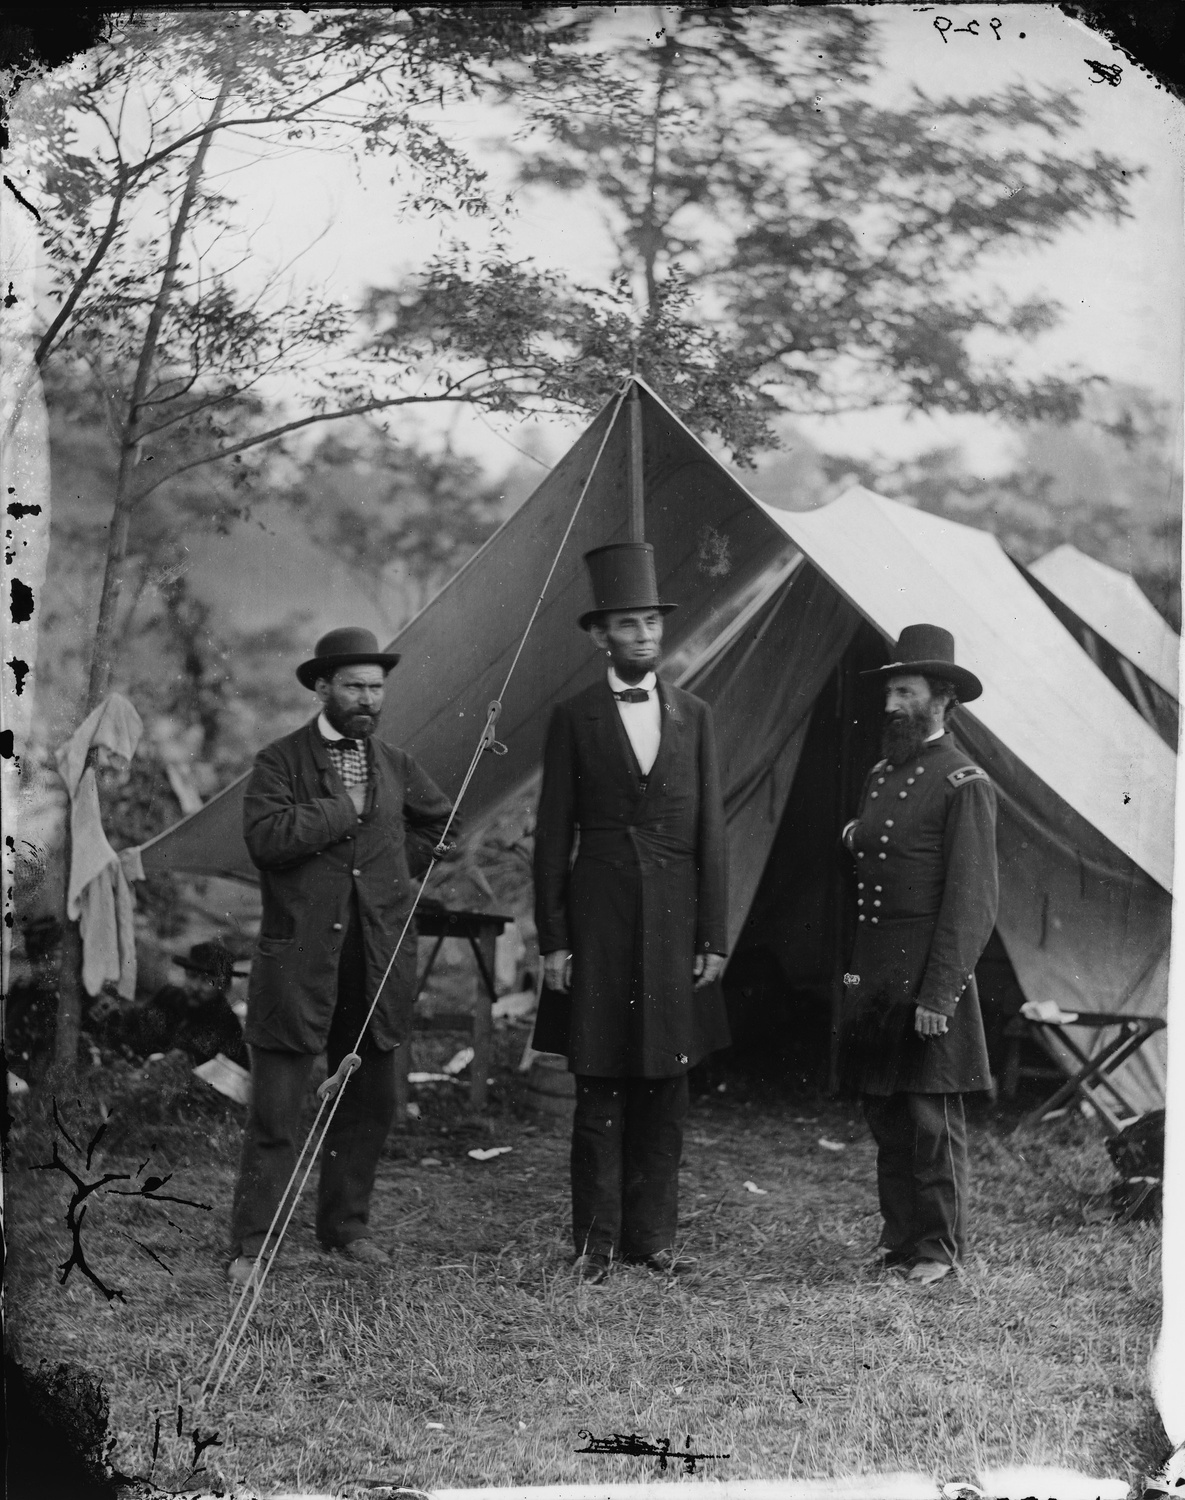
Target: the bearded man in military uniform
pixel 924 845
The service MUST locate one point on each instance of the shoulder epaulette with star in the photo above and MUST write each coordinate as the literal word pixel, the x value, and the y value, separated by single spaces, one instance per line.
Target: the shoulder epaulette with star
pixel 968 773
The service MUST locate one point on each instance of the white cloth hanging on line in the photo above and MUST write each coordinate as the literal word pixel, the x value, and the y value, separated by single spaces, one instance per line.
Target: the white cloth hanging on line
pixel 98 896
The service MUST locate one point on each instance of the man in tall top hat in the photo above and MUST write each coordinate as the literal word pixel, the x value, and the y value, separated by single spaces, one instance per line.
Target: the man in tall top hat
pixel 630 904
pixel 337 822
pixel 924 845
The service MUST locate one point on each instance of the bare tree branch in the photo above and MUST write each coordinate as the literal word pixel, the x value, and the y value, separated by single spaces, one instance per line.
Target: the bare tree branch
pixel 85 276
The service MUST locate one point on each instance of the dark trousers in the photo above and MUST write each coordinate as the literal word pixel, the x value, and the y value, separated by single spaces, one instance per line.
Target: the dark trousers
pixel 274 1134
pixel 627 1141
pixel 921 1172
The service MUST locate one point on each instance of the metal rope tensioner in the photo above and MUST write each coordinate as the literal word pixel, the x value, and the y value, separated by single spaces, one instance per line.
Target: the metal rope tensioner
pixel 337 1081
pixel 486 742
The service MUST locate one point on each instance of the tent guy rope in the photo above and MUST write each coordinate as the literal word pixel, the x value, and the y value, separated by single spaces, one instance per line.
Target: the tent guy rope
pixel 331 1091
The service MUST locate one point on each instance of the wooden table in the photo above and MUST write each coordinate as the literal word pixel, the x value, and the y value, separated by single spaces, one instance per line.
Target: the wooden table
pixel 1091 1080
pixel 480 929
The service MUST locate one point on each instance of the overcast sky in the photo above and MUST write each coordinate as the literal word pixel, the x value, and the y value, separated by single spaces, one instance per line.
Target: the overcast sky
pixel 1121 286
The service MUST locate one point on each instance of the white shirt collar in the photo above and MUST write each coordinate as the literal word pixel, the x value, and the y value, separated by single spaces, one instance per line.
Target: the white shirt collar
pixel 937 735
pixel 647 683
pixel 327 730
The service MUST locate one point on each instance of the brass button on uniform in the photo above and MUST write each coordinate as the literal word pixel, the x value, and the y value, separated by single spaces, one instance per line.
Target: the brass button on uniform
pixel 882 855
pixel 860 918
pixel 355 872
pixel 888 822
pixel 884 838
pixel 337 927
pixel 874 794
pixel 909 781
pixel 873 921
pixel 903 795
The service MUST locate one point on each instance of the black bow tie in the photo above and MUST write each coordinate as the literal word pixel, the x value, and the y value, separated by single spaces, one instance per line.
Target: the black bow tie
pixel 632 695
pixel 343 744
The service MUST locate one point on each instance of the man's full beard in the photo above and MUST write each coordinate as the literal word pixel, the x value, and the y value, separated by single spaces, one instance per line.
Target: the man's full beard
pixel 355 725
pixel 631 671
pixel 903 735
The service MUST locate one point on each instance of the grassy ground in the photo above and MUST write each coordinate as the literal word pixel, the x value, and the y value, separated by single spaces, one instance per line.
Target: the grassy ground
pixel 477 1360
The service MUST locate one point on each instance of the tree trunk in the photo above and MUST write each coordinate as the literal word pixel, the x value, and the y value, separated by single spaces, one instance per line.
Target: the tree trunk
pixel 129 455
pixel 651 238
pixel 68 1023
pixel 70 989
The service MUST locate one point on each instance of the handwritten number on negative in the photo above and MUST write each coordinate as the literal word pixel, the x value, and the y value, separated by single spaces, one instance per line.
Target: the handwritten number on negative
pixel 943 24
pixel 632 1445
pixel 1104 72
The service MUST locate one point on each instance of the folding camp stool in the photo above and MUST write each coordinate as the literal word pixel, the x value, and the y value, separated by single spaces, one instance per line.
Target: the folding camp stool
pixel 1092 1081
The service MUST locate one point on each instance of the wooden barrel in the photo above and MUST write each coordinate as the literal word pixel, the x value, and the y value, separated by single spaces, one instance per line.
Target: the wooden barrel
pixel 551 1088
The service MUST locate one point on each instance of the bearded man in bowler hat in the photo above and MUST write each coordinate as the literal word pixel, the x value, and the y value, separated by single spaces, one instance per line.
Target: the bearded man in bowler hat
pixel 630 904
pixel 924 845
pixel 337 822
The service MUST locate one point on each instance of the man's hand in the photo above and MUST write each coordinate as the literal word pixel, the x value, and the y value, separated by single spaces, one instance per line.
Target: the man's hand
pixel 708 968
pixel 557 970
pixel 929 1022
pixel 357 795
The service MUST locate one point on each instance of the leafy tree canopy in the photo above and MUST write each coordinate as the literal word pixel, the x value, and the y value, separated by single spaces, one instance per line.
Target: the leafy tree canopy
pixel 196 360
pixel 828 246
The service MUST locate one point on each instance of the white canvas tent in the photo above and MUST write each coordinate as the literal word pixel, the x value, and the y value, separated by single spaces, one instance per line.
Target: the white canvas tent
pixel 1106 613
pixel 1086 785
pixel 1113 605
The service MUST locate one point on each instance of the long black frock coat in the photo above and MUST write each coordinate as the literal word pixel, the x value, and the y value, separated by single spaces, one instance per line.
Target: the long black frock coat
pixel 927 889
pixel 316 855
pixel 631 875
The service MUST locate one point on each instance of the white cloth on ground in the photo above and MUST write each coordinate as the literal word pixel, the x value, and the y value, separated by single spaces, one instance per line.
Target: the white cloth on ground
pixel 98 896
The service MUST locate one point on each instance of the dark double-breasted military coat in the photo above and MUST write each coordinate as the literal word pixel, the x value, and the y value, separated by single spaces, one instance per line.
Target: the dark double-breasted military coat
pixel 631 876
pixel 924 845
pixel 317 856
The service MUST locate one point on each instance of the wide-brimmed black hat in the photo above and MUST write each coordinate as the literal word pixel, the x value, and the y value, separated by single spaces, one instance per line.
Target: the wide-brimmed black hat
pixel 210 959
pixel 347 647
pixel 622 578
pixel 929 651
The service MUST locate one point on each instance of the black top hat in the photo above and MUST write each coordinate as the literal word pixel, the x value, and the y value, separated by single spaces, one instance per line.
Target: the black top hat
pixel 622 578
pixel 346 647
pixel 212 960
pixel 929 651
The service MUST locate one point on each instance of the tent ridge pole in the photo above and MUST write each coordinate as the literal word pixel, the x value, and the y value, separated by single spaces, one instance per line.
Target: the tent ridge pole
pixel 637 495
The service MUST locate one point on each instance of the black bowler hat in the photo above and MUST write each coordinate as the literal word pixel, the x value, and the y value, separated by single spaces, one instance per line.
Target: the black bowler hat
pixel 929 651
pixel 347 647
pixel 622 578
pixel 212 960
